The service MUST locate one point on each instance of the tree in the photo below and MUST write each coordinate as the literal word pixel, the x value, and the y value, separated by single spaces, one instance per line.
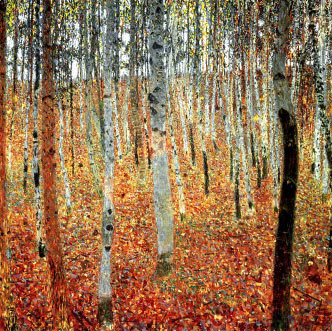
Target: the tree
pixel 7 316
pixel 157 100
pixel 35 134
pixel 52 228
pixel 286 219
pixel 321 108
pixel 105 314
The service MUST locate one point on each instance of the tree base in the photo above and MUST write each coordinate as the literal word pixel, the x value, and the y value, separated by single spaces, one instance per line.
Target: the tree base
pixel 164 264
pixel 105 314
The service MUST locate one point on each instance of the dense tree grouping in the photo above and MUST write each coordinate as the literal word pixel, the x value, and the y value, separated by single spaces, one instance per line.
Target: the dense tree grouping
pixel 166 90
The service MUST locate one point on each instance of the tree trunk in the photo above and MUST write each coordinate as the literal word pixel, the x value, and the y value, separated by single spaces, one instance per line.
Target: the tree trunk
pixel 7 315
pixel 241 143
pixel 286 219
pixel 35 134
pixel 116 69
pixel 61 152
pixel 53 239
pixel 105 313
pixel 138 137
pixel 321 107
pixel 157 98
pixel 88 105
pixel 182 205
pixel 29 101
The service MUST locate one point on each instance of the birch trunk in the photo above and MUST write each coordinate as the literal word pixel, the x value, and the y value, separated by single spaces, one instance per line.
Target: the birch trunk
pixel 145 124
pixel 213 110
pixel 62 157
pixel 125 119
pixel 35 149
pixel 157 99
pixel 240 142
pixel 176 163
pixel 105 312
pixel 28 103
pixel 181 105
pixel 116 69
pixel 139 152
pixel 88 104
pixel 321 107
pixel 80 67
pixel 237 156
pixel 7 315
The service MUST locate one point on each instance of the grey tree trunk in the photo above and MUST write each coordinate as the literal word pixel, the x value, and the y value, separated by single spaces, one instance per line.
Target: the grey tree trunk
pixel 61 154
pixel 321 107
pixel 138 136
pixel 157 100
pixel 176 163
pixel 35 150
pixel 105 313
pixel 28 102
pixel 88 104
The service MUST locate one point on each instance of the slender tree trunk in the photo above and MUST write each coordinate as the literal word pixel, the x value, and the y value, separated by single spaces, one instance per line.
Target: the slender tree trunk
pixel 88 104
pixel 157 98
pixel 35 134
pixel 237 157
pixel 203 135
pixel 138 137
pixel 146 131
pixel 213 109
pixel 61 150
pixel 273 151
pixel 181 106
pixel 225 111
pixel 80 66
pixel 71 93
pixel 53 238
pixel 125 118
pixel 286 219
pixel 176 163
pixel 240 142
pixel 7 315
pixel 105 313
pixel 29 101
pixel 321 108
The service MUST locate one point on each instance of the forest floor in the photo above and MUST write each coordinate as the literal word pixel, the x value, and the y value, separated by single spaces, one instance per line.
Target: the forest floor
pixel 222 278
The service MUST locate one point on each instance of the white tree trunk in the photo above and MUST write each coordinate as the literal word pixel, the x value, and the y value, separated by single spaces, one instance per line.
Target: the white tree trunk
pixel 115 103
pixel 105 314
pixel 176 164
pixel 35 157
pixel 157 98
pixel 62 158
pixel 213 108
pixel 240 143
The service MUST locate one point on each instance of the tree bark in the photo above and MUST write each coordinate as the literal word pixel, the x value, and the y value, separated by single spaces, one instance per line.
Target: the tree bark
pixel 286 219
pixel 321 108
pixel 53 238
pixel 35 134
pixel 105 313
pixel 138 136
pixel 7 315
pixel 157 99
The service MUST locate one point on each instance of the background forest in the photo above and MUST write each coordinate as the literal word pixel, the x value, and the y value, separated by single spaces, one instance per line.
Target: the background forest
pixel 165 165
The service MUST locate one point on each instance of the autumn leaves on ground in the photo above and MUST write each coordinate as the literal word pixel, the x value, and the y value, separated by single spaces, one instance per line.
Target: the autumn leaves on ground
pixel 222 278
